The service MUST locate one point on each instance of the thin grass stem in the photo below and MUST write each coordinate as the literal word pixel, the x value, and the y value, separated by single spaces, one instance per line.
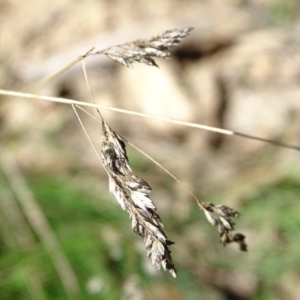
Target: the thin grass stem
pixel 85 132
pixel 37 85
pixel 170 120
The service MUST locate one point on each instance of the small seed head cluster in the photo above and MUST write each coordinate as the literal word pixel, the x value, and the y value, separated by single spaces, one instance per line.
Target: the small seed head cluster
pixel 144 51
pixel 220 217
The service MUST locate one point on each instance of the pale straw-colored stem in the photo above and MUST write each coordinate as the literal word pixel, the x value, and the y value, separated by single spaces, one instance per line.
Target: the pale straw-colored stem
pixel 189 124
pixel 85 132
pixel 37 85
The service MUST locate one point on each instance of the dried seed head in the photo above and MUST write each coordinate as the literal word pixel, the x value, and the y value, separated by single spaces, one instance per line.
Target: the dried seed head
pixel 220 217
pixel 145 221
pixel 143 51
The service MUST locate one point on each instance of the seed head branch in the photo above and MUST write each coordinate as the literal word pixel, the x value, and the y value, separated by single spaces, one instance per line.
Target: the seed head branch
pixel 219 216
pixel 142 211
pixel 145 50
pixel 124 184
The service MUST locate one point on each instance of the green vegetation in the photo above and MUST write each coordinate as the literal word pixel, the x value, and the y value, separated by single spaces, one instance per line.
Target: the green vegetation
pixel 285 11
pixel 96 237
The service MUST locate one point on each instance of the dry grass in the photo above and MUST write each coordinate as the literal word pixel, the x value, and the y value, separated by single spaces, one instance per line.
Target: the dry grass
pixel 131 191
pixel 123 183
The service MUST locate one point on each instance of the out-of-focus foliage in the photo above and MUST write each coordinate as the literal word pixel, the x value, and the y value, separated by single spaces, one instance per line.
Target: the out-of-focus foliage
pixel 108 258
pixel 238 69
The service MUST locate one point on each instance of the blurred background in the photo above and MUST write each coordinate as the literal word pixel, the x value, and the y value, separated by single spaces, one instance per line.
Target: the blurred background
pixel 63 236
